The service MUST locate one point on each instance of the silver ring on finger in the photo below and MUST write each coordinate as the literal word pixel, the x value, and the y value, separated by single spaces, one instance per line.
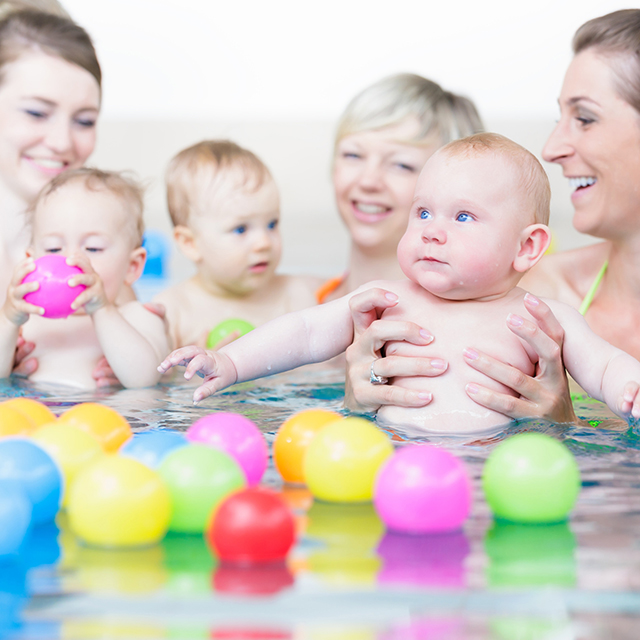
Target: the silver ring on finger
pixel 373 378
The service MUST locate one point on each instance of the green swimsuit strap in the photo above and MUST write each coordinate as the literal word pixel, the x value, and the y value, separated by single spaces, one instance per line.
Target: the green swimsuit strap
pixel 591 294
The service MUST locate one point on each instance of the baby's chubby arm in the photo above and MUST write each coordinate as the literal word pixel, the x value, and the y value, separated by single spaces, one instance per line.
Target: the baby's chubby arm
pixel 14 313
pixel 132 338
pixel 602 370
pixel 311 335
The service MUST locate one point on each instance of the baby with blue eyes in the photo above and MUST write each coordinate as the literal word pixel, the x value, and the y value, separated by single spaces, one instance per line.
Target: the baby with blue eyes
pixel 478 223
pixel 225 209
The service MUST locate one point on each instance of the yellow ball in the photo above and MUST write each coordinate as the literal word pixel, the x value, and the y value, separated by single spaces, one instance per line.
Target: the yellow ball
pixel 39 413
pixel 106 424
pixel 119 502
pixel 293 438
pixel 343 459
pixel 71 448
pixel 14 422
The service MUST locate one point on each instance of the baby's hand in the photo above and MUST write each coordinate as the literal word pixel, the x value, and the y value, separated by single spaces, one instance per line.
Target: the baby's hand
pixel 15 308
pixel 630 402
pixel 216 368
pixel 93 297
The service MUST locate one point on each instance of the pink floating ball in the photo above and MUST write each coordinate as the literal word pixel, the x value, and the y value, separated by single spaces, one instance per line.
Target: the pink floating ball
pixel 423 489
pixel 236 435
pixel 54 294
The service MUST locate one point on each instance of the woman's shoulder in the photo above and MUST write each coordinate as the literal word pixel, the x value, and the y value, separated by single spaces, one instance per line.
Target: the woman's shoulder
pixel 567 275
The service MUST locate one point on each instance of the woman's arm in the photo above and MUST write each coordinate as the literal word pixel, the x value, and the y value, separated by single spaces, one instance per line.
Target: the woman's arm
pixel 365 353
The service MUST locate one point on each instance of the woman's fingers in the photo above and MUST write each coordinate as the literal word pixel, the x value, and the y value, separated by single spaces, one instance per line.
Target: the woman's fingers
pixel 366 307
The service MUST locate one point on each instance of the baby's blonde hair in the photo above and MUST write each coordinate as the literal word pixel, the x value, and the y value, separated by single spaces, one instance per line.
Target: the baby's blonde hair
pixel 128 190
pixel 533 180
pixel 201 167
pixel 443 116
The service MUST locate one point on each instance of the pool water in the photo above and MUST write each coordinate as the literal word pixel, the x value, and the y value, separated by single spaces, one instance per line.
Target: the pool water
pixel 347 578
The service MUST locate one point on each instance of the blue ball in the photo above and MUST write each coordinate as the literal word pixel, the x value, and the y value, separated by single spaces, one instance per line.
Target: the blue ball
pixel 150 447
pixel 32 468
pixel 15 517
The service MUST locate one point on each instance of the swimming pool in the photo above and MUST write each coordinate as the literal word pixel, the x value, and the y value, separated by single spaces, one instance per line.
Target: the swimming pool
pixel 346 577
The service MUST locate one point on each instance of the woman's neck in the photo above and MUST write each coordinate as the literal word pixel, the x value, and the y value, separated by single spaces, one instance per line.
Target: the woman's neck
pixel 367 266
pixel 623 270
pixel 12 220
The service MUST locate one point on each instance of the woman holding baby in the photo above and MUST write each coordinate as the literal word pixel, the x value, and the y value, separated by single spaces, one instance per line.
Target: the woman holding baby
pixel 597 144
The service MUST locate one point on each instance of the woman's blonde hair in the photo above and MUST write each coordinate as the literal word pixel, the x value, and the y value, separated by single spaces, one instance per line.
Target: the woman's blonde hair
pixel 44 26
pixel 617 36
pixel 443 116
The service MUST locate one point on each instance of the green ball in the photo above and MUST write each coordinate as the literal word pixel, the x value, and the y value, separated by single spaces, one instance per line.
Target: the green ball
pixel 531 478
pixel 198 478
pixel 221 331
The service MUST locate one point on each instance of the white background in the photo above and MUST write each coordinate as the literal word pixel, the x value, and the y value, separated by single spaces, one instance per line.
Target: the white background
pixel 304 59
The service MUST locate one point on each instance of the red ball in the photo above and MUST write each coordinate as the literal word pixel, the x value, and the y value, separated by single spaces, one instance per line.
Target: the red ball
pixel 252 525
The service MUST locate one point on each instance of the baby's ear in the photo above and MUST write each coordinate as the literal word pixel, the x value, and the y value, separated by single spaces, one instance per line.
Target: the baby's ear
pixel 186 242
pixel 534 241
pixel 136 265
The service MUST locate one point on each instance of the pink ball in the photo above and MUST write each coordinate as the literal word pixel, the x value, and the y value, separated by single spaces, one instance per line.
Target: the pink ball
pixel 237 436
pixel 54 294
pixel 423 489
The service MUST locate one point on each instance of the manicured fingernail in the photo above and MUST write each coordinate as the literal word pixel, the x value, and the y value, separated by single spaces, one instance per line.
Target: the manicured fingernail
pixel 531 299
pixel 426 335
pixel 391 296
pixel 424 396
pixel 472 354
pixel 472 388
pixel 514 320
pixel 437 363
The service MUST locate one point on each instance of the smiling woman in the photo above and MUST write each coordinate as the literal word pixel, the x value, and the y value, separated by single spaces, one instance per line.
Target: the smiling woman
pixel 49 103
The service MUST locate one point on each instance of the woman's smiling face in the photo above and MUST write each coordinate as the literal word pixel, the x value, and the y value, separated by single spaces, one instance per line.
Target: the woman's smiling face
pixel 374 177
pixel 48 113
pixel 597 143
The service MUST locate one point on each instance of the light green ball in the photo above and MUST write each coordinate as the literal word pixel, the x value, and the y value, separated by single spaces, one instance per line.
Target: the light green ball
pixel 198 478
pixel 531 478
pixel 222 330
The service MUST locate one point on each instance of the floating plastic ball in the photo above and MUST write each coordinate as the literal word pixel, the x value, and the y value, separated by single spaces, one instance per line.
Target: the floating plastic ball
pixel 293 438
pixel 119 502
pixel 151 447
pixel 343 459
pixel 253 525
pixel 198 478
pixel 54 294
pixel 15 516
pixel 531 478
pixel 38 413
pixel 30 466
pixel 106 424
pixel 423 489
pixel 71 448
pixel 236 435
pixel 14 422
pixel 227 327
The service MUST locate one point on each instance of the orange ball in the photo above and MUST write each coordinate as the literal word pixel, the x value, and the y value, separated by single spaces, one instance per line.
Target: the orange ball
pixel 106 424
pixel 14 422
pixel 39 413
pixel 293 438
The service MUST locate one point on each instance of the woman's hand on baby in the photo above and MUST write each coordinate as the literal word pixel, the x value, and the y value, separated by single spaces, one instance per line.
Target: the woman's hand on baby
pixel 370 336
pixel 217 369
pixel 15 308
pixel 545 395
pixel 93 297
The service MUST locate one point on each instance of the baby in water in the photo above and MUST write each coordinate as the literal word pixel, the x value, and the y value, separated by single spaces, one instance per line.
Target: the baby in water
pixel 225 209
pixel 477 224
pixel 94 218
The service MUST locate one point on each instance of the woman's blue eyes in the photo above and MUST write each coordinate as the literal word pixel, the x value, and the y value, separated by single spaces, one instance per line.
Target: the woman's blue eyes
pixel 35 114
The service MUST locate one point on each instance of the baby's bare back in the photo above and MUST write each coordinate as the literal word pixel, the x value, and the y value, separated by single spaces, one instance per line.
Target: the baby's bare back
pixel 456 325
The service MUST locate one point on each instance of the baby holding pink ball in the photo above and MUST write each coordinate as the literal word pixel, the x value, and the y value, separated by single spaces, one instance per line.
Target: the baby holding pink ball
pixel 94 219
